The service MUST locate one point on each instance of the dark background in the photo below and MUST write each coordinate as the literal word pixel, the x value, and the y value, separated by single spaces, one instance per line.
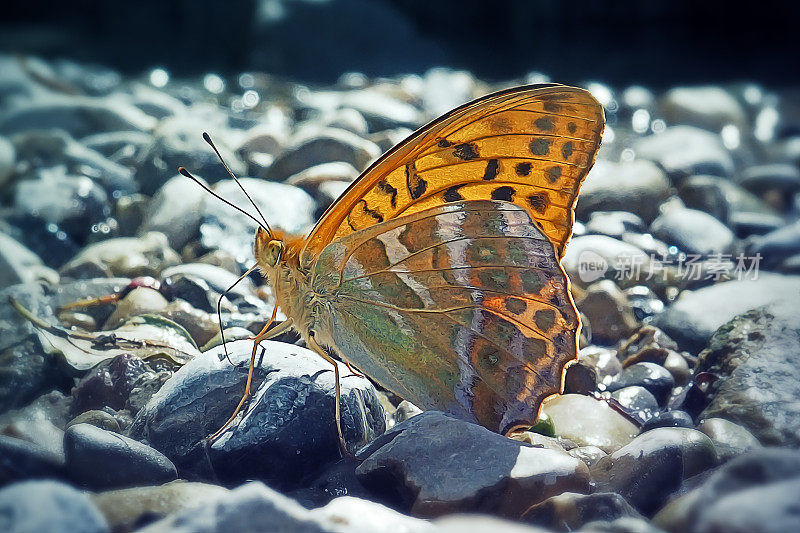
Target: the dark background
pixel 656 42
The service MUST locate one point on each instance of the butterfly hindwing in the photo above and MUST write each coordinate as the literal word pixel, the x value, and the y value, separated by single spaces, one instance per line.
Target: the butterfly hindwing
pixel 461 307
pixel 531 146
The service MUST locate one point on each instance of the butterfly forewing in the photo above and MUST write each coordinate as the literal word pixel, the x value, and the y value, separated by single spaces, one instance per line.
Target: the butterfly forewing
pixel 461 307
pixel 530 145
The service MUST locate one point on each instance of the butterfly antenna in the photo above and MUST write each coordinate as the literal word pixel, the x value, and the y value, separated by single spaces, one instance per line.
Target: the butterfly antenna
pixel 219 310
pixel 207 138
pixel 205 187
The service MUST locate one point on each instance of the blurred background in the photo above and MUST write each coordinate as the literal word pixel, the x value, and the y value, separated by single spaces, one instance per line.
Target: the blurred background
pixel 657 42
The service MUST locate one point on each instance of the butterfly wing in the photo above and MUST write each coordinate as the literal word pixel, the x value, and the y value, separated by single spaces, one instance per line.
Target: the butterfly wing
pixel 530 145
pixel 462 307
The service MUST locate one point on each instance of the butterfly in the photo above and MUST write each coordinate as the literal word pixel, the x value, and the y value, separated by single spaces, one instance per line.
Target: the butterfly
pixel 437 272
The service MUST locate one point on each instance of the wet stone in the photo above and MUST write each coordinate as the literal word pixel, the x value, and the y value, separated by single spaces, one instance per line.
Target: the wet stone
pixel 589 422
pixel 669 419
pixel 730 439
pixel 608 311
pixel 693 232
pixel 638 401
pixel 653 466
pixel 21 460
pixel 685 150
pixel 49 506
pixel 100 459
pixel 571 511
pixel 286 433
pixel 655 378
pixel 434 464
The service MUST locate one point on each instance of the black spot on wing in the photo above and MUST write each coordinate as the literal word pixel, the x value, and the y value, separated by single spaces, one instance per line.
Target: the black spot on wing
pixel 572 127
pixel 503 193
pixel 492 169
pixel 522 169
pixel 452 194
pixel 466 151
pixel 566 150
pixel 444 143
pixel 384 186
pixel 415 184
pixel 516 305
pixel 544 123
pixel 539 201
pixel 539 146
pixel 553 173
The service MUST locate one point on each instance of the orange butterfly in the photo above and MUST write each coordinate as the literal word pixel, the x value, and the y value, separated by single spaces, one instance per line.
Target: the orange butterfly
pixel 437 273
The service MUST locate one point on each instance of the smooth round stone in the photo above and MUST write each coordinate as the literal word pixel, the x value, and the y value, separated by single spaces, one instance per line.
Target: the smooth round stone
pixel 124 257
pixel 603 360
pixel 697 314
pixel 570 511
pixel 289 424
pixel 34 506
pixel 610 316
pixel 746 224
pixel 635 187
pixel 669 419
pixel 638 401
pixel 694 232
pixel 588 454
pixel 319 174
pixel 201 326
pixel 686 150
pixel 589 422
pixel 100 459
pixel 347 119
pixel 652 466
pixel 614 223
pixel 381 110
pixel 776 246
pixel 18 264
pixel 110 383
pixel 655 378
pixel 97 418
pixel 175 211
pixel 580 378
pixel 54 148
pixel 128 509
pixel 729 438
pixel 708 107
pixel 140 301
pixel 593 257
pixel 721 198
pixel 23 460
pixel 770 509
pixel 325 145
pixel 434 464
pixel 781 177
pixel 677 365
pixel 72 202
pixel 77 116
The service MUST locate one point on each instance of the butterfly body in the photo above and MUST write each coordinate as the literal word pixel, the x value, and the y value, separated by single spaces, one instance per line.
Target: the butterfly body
pixel 437 273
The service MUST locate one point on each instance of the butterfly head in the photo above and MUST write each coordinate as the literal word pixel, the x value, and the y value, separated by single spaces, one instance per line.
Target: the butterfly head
pixel 267 249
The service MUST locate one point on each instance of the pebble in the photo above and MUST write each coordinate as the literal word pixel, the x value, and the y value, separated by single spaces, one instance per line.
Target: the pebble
pixel 286 434
pixel 755 357
pixel 730 439
pixel 685 150
pixel 655 378
pixel 637 401
pixel 608 311
pixel 636 187
pixel 693 232
pixel 140 301
pixel 97 418
pixel 325 145
pixel 132 508
pixel 590 258
pixel 614 223
pixel 776 247
pixel 708 107
pixel 49 506
pixel 571 511
pixel 20 265
pixel 669 419
pixel 175 211
pixel 723 199
pixel 433 464
pixel 589 422
pixel 697 314
pixel 23 460
pixel 98 459
pixel 652 466
pixel 755 474
pixel 761 179
pixel 146 255
pixel 111 383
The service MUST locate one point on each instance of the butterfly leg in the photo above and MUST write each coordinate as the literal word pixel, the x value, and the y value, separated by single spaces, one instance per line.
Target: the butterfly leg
pixel 337 410
pixel 262 335
pixel 353 370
